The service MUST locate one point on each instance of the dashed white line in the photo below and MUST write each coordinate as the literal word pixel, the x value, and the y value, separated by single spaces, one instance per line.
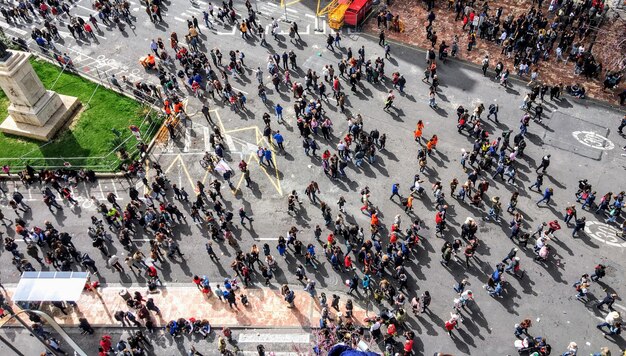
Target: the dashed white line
pixel 227 33
pixel 12 28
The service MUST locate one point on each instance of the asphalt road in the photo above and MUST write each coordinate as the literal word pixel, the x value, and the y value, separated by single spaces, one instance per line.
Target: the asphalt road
pixel 580 136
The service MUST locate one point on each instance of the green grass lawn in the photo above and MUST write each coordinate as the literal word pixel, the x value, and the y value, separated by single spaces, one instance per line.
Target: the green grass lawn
pixel 89 141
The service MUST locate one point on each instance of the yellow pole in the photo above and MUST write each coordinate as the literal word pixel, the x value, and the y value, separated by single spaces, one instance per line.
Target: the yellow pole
pixel 317 19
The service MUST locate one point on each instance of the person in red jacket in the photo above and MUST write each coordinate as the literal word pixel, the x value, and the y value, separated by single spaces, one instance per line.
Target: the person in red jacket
pixel 105 343
pixel 408 344
pixel 89 30
pixel 452 323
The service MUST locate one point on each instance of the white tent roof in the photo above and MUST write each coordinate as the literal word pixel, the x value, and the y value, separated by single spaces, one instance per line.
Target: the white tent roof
pixel 50 286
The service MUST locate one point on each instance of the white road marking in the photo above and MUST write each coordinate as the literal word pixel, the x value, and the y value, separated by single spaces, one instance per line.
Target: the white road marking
pixel 83 7
pixel 115 190
pixel 179 19
pixel 593 140
pixel 267 9
pixel 604 233
pixel 13 28
pixel 245 92
pixel 274 338
pixel 207 144
pixel 227 33
pixel 311 16
pixel 187 139
pixel 292 10
pixel 170 146
pixel 102 197
pixel 229 143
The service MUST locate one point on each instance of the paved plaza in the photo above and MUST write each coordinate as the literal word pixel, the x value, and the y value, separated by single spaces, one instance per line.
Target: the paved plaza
pixel 581 137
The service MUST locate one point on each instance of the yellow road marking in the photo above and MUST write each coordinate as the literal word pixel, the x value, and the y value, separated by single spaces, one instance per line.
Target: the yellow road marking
pixel 292 2
pixel 185 170
pixel 206 174
pixel 169 168
pixel 241 178
pixel 275 180
pixel 259 138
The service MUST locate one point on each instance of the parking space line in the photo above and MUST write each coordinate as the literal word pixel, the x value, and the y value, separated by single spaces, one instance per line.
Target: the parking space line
pixel 102 197
pixel 115 189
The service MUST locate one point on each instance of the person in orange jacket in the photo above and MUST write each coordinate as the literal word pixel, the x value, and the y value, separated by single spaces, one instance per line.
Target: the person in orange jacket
pixel 417 134
pixel 374 221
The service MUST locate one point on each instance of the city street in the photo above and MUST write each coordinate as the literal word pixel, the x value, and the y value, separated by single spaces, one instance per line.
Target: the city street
pixel 581 137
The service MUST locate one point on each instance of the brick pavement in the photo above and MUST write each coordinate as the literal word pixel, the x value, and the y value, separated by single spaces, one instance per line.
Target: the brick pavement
pixel 414 17
pixel 266 309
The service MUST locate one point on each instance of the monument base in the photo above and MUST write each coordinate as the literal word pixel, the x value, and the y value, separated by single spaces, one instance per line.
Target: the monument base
pixel 46 132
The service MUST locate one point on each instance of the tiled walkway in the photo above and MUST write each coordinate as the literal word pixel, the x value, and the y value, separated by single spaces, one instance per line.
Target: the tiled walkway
pixel 266 308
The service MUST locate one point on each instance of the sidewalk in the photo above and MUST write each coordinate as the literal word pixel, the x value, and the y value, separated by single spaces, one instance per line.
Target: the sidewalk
pixel 266 309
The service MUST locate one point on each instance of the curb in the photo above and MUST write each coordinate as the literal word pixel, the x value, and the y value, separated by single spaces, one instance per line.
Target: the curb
pixel 213 326
pixel 99 175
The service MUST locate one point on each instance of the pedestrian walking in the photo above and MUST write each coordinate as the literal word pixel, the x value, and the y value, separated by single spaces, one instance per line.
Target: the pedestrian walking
pixel 547 196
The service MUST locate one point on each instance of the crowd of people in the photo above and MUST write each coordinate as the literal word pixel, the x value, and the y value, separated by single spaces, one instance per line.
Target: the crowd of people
pixel 377 263
pixel 560 31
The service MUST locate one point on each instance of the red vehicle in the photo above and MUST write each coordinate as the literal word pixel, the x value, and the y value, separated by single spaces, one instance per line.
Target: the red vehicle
pixel 357 11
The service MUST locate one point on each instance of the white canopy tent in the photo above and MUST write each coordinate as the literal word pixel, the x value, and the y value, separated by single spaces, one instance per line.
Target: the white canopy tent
pixel 50 286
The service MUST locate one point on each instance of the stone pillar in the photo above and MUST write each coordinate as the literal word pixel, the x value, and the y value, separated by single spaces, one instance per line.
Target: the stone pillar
pixel 34 111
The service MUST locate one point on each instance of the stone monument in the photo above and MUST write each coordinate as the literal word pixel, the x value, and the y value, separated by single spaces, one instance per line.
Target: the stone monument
pixel 34 111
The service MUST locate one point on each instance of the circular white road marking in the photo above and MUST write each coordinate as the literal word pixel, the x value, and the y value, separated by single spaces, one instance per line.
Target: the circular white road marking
pixel 593 140
pixel 604 232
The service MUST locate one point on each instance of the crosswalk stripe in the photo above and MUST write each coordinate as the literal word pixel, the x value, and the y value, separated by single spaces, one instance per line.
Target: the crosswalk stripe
pixel 13 28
